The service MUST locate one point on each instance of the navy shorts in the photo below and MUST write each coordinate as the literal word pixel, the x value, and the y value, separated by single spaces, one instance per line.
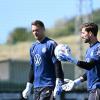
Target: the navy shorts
pixel 43 93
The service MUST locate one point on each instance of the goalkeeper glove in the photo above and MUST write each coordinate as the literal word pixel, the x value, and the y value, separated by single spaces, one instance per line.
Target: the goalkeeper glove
pixel 67 57
pixel 71 84
pixel 58 87
pixel 27 92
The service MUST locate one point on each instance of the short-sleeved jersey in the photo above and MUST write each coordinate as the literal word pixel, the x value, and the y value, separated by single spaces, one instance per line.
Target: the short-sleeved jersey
pixel 93 75
pixel 42 59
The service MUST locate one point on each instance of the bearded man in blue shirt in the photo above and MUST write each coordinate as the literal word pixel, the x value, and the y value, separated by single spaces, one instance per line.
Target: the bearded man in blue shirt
pixel 91 64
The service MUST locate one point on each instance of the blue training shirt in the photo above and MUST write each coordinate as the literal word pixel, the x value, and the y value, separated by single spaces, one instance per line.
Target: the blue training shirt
pixel 93 75
pixel 42 59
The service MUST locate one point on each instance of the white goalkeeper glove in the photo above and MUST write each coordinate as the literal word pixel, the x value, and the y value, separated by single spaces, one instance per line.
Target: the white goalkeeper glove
pixel 67 57
pixel 27 92
pixel 58 87
pixel 71 84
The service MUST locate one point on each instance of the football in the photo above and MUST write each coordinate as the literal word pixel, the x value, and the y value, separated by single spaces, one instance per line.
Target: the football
pixel 62 48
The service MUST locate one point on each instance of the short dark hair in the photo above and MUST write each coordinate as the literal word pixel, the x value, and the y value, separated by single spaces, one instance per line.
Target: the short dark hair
pixel 90 27
pixel 38 23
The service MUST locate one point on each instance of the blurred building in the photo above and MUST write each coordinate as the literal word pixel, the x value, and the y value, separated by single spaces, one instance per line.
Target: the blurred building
pixel 14 73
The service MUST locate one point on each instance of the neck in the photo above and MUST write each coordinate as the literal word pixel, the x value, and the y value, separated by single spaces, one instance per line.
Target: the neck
pixel 40 40
pixel 93 41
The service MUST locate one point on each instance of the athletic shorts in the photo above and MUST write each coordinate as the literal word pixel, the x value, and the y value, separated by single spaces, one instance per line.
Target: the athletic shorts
pixel 43 93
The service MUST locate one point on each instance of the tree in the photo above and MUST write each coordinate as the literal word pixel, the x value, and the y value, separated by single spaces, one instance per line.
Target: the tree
pixel 18 35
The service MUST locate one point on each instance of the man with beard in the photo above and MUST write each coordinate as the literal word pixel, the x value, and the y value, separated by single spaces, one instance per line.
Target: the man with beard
pixel 91 64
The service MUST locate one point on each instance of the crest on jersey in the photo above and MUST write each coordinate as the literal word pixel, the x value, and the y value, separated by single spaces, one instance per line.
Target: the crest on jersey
pixel 96 51
pixel 37 59
pixel 43 50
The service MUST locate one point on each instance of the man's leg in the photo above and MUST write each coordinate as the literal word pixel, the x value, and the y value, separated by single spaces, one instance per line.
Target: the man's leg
pixel 36 94
pixel 47 94
pixel 94 94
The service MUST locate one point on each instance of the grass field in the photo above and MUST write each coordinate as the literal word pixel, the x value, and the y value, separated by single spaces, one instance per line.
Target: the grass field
pixel 21 50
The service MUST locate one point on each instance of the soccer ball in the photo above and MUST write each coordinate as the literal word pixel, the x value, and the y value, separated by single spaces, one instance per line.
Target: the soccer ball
pixel 62 48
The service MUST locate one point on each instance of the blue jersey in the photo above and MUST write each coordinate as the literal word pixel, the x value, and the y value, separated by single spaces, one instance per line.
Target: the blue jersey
pixel 93 75
pixel 42 60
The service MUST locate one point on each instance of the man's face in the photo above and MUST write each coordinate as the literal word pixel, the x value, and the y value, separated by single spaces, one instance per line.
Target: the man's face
pixel 85 36
pixel 38 32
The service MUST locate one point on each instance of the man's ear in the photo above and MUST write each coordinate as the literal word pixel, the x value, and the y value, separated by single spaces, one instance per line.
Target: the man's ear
pixel 90 33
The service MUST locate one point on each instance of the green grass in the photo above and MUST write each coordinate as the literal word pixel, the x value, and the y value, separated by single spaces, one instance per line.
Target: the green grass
pixel 18 51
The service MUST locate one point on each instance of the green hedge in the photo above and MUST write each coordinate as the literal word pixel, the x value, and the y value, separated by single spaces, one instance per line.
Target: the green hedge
pixel 11 87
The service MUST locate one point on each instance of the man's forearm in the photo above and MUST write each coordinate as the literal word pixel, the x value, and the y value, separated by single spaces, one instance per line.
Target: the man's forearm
pixel 58 70
pixel 86 65
pixel 31 75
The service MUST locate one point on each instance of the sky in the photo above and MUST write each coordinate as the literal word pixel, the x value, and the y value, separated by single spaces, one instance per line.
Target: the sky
pixel 20 13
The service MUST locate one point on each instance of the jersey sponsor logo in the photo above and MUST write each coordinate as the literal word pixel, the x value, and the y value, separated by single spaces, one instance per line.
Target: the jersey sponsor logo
pixel 37 59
